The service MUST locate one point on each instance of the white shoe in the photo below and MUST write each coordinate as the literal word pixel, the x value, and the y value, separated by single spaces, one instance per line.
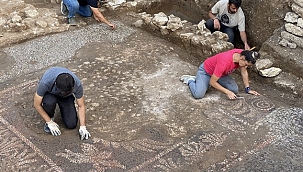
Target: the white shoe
pixel 186 78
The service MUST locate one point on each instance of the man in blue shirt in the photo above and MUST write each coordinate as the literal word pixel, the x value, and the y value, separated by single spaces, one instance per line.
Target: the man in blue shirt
pixel 86 8
pixel 61 86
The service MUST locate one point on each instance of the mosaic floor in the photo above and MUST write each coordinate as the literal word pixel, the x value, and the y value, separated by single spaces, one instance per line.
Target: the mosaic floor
pixel 142 118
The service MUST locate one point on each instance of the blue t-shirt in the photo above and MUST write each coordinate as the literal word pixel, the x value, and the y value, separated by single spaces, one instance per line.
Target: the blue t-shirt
pixel 47 82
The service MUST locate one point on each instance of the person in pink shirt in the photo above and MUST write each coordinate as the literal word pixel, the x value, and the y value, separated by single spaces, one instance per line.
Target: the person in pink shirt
pixel 215 71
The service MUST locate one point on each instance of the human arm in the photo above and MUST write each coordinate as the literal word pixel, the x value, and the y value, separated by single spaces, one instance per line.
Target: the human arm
pixel 39 108
pixel 53 127
pixel 216 20
pixel 245 79
pixel 100 18
pixel 244 40
pixel 81 111
pixel 214 83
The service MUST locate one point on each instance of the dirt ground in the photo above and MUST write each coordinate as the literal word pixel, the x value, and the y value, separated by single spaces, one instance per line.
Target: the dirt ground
pixel 141 117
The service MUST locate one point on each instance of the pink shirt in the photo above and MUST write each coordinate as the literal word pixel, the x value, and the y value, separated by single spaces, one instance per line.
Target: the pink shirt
pixel 221 64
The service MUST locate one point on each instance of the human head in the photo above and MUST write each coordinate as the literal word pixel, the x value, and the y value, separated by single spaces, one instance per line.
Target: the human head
pixel 250 56
pixel 65 83
pixel 233 6
pixel 237 3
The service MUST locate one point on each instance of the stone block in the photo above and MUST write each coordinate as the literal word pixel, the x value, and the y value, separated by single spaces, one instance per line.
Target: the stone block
pixel 291 17
pixel 291 28
pixel 292 38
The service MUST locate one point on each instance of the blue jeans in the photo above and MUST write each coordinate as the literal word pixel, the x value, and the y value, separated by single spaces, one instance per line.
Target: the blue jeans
pixel 66 106
pixel 229 31
pixel 199 87
pixel 74 8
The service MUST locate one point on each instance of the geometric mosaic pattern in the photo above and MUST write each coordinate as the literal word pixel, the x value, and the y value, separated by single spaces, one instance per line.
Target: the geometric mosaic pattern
pixel 142 118
pixel 147 154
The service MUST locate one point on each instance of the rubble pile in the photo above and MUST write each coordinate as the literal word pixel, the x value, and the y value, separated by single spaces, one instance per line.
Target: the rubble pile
pixel 18 17
pixel 192 36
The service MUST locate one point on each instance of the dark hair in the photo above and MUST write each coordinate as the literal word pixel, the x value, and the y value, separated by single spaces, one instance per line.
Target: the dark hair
pixel 237 3
pixel 65 83
pixel 250 56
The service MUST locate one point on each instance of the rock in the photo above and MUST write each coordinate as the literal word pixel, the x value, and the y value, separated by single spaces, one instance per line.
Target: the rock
pixel 220 35
pixel 299 2
pixel 29 22
pixel 296 8
pixel 16 19
pixel 270 72
pixel 31 12
pixel 263 64
pixel 291 17
pixel 201 25
pixel 147 18
pixel 118 2
pixel 164 30
pixel 138 23
pixel 41 24
pixel 174 23
pixel 300 22
pixel 186 37
pixel 284 42
pixel 294 29
pixel 160 19
pixel 292 45
pixel 292 38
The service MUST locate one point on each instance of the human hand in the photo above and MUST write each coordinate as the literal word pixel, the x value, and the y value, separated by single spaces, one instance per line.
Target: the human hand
pixel 253 92
pixel 216 24
pixel 54 128
pixel 247 47
pixel 83 132
pixel 231 95
pixel 112 26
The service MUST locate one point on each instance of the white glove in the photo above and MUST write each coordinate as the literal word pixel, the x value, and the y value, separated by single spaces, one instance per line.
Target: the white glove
pixel 83 132
pixel 54 128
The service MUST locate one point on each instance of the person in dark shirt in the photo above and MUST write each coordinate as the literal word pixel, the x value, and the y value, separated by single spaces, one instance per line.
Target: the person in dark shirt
pixel 86 8
pixel 60 86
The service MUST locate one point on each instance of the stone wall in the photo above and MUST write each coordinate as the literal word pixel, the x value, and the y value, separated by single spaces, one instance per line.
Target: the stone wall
pixel 20 21
pixel 292 36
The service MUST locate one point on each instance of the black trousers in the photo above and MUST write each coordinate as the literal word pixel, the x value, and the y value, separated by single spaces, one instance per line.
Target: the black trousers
pixel 66 106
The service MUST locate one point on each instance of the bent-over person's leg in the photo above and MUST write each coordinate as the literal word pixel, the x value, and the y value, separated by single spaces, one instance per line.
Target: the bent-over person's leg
pixel 68 111
pixel 199 87
pixel 49 103
pixel 72 6
pixel 210 25
pixel 230 32
pixel 229 83
pixel 85 11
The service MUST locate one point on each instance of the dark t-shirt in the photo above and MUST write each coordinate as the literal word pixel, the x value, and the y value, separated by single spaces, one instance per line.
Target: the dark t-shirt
pixel 92 3
pixel 46 83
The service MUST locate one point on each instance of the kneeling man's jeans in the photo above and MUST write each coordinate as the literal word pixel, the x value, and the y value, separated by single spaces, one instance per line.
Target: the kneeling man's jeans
pixel 74 8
